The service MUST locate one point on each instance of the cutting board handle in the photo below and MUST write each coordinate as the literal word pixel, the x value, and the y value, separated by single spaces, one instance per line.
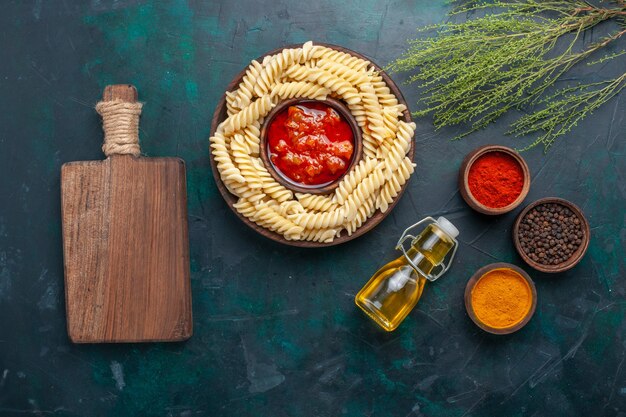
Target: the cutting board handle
pixel 120 113
pixel 123 92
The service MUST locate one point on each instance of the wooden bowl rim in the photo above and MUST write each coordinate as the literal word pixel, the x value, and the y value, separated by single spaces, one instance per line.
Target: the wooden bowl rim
pixel 230 199
pixel 357 152
pixel 474 280
pixel 464 189
pixel 576 256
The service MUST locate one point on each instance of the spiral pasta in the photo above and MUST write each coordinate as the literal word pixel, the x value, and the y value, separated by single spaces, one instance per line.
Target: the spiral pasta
pixel 354 77
pixel 392 187
pixel 316 202
pixel 312 220
pixel 242 96
pixel 274 69
pixel 299 89
pixel 273 220
pixel 248 115
pixel 225 165
pixel 319 235
pixel 365 210
pixel 313 72
pixel 241 156
pixel 271 188
pixel 354 178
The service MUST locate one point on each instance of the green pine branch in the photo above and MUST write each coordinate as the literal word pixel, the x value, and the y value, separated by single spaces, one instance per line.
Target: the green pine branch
pixel 474 71
pixel 564 109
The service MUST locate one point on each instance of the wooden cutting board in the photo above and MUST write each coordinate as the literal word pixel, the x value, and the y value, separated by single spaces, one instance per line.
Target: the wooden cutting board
pixel 125 243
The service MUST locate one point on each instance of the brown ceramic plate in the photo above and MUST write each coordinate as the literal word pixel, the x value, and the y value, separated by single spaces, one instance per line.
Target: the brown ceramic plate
pixel 576 256
pixel 338 106
pixel 220 115
pixel 464 184
pixel 468 298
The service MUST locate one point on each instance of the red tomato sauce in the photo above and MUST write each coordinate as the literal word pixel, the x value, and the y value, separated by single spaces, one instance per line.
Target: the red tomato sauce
pixel 310 143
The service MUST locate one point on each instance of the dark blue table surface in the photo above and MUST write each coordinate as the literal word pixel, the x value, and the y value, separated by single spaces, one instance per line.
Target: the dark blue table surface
pixel 276 332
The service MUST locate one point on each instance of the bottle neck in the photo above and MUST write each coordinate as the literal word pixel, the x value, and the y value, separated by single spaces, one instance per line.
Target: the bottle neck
pixel 429 249
pixel 422 263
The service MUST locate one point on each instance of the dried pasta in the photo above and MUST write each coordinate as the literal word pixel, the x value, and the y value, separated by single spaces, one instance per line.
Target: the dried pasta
pixel 316 202
pixel 313 72
pixel 299 89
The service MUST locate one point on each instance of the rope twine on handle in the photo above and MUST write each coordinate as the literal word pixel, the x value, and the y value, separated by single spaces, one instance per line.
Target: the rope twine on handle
pixel 120 122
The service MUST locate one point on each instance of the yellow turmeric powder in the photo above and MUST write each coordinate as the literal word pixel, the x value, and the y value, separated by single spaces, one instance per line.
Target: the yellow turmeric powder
pixel 501 298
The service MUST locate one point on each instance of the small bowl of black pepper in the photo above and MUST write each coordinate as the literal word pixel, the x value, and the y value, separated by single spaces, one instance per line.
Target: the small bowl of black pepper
pixel 551 235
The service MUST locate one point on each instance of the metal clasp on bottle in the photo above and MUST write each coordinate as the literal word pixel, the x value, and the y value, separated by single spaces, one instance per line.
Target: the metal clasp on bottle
pixel 439 269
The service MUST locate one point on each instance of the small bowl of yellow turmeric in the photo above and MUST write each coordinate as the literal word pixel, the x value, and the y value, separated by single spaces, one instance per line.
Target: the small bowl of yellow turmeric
pixel 500 298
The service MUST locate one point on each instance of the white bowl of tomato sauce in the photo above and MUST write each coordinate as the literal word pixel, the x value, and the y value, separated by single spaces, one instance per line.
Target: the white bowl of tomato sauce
pixel 309 145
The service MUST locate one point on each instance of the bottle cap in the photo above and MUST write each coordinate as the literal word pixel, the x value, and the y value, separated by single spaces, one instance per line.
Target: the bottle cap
pixel 447 227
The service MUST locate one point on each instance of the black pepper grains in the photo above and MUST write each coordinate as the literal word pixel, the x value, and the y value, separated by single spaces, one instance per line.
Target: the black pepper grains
pixel 550 233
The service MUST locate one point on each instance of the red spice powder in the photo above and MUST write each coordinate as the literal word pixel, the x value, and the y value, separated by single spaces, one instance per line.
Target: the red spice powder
pixel 496 179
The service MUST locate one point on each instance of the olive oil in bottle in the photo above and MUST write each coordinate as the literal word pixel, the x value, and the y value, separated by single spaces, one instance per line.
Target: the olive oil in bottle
pixel 395 289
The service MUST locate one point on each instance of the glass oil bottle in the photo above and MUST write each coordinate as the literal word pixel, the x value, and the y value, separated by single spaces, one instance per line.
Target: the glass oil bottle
pixel 395 289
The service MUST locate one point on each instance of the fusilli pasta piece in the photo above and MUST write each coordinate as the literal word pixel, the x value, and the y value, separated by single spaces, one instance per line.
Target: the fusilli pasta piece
pixel 393 186
pixel 272 188
pixel 399 148
pixel 241 155
pixel 367 188
pixel 374 113
pixel 245 90
pixel 353 178
pixel 290 207
pixel 316 202
pixel 252 135
pixel 319 235
pixel 225 166
pixel 364 211
pixel 277 223
pixel 339 57
pixel 232 103
pixel 248 115
pixel 324 78
pixel 288 90
pixel 352 76
pixel 312 220
pixel 274 68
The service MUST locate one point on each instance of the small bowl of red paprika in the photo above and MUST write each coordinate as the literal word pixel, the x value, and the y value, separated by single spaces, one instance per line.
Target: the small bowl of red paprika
pixel 494 179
